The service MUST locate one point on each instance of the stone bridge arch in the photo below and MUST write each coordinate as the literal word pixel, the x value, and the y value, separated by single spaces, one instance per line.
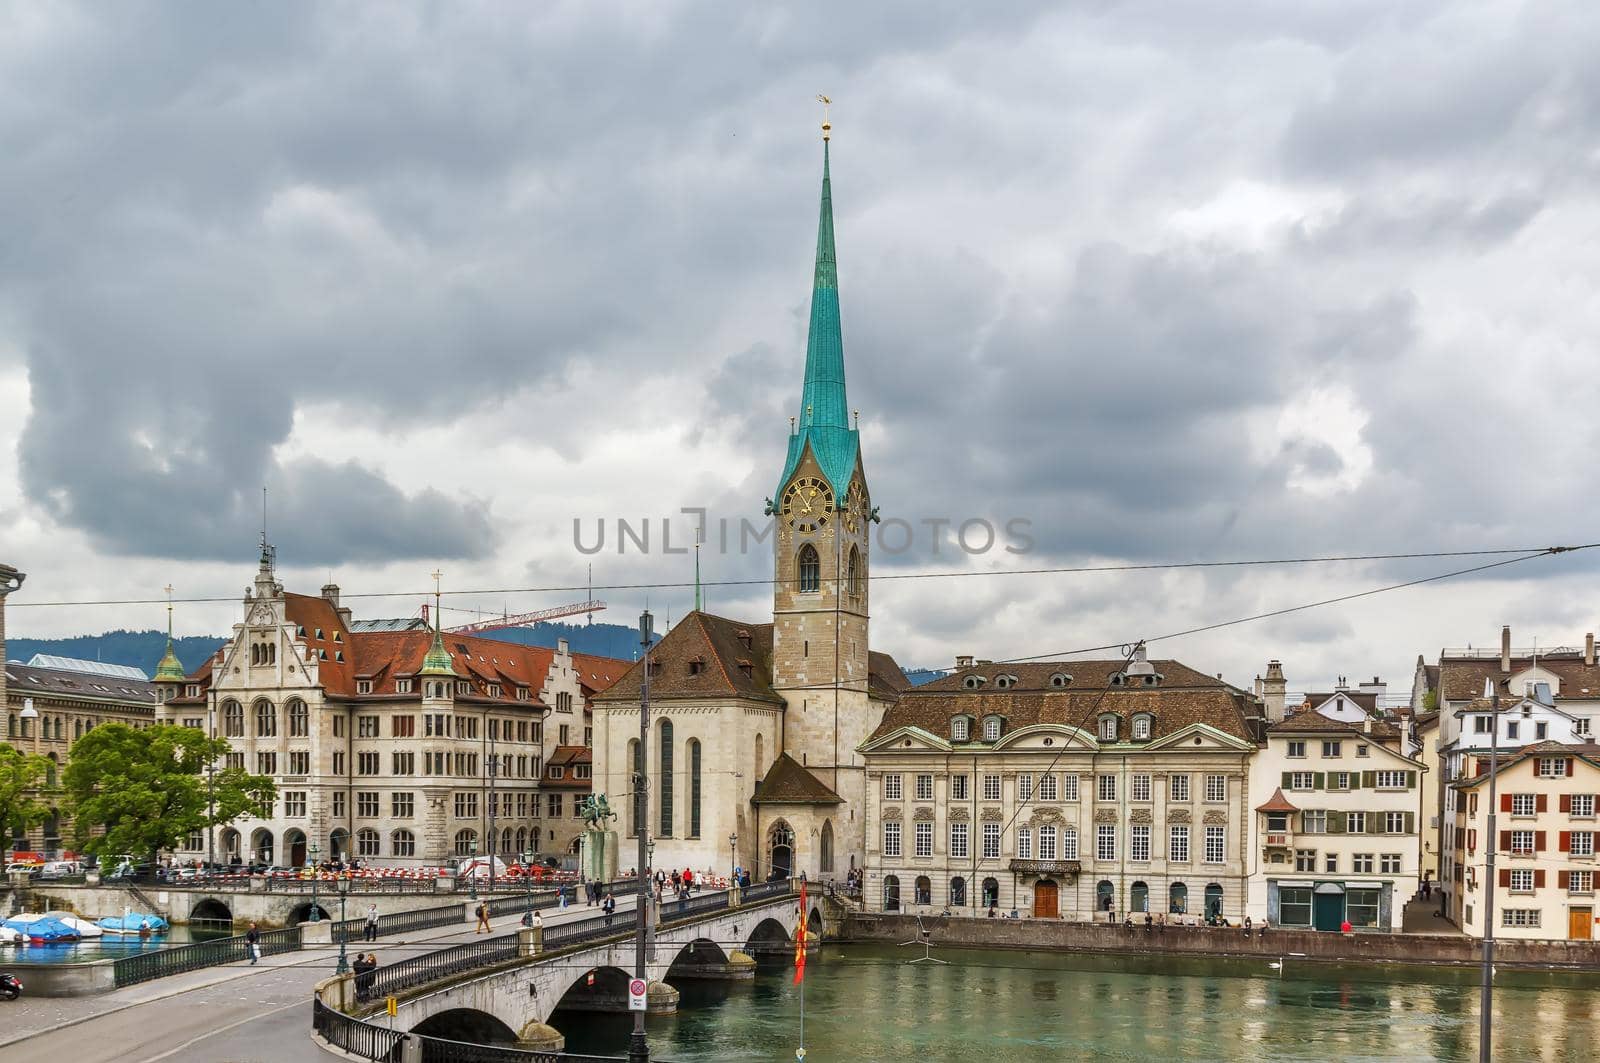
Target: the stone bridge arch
pixel 525 995
pixel 467 1024
pixel 211 910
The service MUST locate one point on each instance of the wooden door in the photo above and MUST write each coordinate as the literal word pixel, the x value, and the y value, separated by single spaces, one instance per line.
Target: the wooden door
pixel 1044 900
pixel 1580 923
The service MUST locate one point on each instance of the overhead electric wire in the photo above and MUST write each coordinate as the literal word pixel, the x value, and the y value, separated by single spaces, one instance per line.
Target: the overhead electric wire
pixel 893 576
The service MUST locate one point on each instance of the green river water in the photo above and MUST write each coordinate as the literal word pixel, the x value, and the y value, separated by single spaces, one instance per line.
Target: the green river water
pixel 867 1003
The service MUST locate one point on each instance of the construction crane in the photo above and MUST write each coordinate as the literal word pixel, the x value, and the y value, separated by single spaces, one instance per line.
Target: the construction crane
pixel 506 620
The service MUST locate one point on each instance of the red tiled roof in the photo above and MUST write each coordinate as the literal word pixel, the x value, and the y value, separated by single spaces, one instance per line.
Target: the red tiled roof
pixel 1277 803
pixel 382 657
pixel 1183 698
pixel 1461 678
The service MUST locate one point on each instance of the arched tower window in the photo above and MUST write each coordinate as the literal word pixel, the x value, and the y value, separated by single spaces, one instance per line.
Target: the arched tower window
pixel 761 760
pixel 853 581
pixel 694 788
pixel 810 569
pixel 664 779
pixel 299 719
pixel 266 719
pixel 827 845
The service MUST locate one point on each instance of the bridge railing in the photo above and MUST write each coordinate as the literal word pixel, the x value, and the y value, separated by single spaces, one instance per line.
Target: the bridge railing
pixel 131 970
pixel 360 1039
pixel 400 922
pixel 766 890
pixel 435 967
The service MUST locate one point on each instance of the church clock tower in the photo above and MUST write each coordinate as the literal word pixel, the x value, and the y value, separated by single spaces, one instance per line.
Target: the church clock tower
pixel 822 511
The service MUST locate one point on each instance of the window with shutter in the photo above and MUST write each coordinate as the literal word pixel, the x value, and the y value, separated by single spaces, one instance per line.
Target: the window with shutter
pixel 1538 878
pixel 1538 841
pixel 1542 802
pixel 1565 803
pixel 1564 841
pixel 1505 878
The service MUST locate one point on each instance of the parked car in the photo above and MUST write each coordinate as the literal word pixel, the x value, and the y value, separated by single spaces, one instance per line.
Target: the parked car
pixel 25 869
pixel 58 869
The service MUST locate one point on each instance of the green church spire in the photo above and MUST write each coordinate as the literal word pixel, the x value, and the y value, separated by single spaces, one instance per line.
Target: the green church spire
pixel 437 662
pixel 824 422
pixel 170 670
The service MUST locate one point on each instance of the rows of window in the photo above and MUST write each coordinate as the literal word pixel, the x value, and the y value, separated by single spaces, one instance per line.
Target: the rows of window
pixel 1051 842
pixel 1360 863
pixel 54 728
pixel 297 723
pixel 1332 749
pixel 1050 786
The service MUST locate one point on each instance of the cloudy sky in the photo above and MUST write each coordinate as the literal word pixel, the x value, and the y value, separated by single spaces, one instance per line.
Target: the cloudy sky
pixel 1170 282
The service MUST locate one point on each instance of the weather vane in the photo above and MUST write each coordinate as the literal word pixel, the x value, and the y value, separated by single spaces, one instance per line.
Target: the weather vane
pixel 826 128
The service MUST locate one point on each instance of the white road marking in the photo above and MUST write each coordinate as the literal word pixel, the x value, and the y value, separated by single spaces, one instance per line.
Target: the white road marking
pixel 220 1029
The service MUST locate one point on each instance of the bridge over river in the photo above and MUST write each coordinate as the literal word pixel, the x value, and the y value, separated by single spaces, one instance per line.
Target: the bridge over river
pixel 510 986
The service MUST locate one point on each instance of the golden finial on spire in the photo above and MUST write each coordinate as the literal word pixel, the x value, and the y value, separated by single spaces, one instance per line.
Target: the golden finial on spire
pixel 826 128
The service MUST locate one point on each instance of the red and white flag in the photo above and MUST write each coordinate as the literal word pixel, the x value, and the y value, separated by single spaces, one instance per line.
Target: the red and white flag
pixel 800 940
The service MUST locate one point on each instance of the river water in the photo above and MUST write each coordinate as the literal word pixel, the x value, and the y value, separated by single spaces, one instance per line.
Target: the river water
pixel 866 1003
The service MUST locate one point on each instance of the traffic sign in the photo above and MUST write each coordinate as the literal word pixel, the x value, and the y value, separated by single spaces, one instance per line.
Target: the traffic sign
pixel 393 1006
pixel 636 994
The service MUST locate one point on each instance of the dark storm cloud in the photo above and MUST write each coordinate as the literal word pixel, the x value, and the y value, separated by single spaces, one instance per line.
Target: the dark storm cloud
pixel 216 216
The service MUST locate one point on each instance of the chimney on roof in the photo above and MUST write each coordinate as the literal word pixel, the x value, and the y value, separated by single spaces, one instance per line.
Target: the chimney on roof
pixel 963 660
pixel 1505 650
pixel 1377 687
pixel 1588 649
pixel 330 594
pixel 1274 688
pixel 562 648
pixel 1366 724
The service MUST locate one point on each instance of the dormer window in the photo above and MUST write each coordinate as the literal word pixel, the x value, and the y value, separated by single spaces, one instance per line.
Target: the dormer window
pixel 991 729
pixel 494 690
pixel 1141 727
pixel 697 665
pixel 654 669
pixel 319 632
pixel 973 682
pixel 300 631
pixel 1005 682
pixel 746 669
pixel 363 686
pixel 522 693
pixel 1108 728
pixel 322 655
pixel 1118 679
pixel 338 655
pixel 1060 679
pixel 463 687
pixel 337 637
pixel 744 638
pixel 402 686
pixel 960 728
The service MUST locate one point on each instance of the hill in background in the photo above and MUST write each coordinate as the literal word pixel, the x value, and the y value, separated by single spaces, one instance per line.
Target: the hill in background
pixel 142 649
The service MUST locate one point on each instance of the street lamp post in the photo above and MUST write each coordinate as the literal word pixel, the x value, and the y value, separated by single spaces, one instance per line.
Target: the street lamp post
pixel 638 1047
pixel 314 850
pixel 472 869
pixel 344 931
pixel 733 861
pixel 527 878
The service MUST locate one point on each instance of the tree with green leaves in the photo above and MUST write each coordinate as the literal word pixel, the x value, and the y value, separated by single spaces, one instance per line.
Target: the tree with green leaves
pixel 147 788
pixel 22 783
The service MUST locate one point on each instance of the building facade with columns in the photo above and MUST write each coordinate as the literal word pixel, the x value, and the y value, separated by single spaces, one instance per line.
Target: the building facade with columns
pixel 388 741
pixel 753 757
pixel 51 702
pixel 1070 789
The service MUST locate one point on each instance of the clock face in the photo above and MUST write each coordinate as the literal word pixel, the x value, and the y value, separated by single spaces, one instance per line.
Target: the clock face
pixel 807 504
pixel 854 511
